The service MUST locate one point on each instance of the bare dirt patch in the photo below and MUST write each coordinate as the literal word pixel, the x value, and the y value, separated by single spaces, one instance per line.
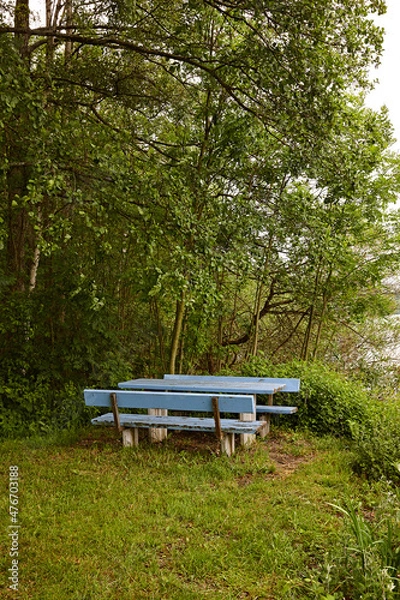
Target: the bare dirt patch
pixel 99 437
pixel 287 453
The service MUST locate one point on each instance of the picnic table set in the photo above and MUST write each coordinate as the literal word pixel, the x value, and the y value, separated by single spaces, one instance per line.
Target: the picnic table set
pixel 197 403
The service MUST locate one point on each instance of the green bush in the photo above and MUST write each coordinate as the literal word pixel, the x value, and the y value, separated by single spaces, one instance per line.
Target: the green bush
pixel 331 404
pixel 377 442
pixel 31 407
pixel 327 401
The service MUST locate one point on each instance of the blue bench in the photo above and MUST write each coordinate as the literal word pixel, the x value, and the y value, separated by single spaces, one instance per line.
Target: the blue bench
pixel 160 402
pixel 291 386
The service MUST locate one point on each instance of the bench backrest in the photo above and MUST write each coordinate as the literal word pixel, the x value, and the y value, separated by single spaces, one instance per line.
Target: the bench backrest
pixel 291 385
pixel 181 401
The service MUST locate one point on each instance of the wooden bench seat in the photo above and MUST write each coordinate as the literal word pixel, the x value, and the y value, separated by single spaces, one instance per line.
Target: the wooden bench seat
pixel 262 409
pixel 160 402
pixel 179 423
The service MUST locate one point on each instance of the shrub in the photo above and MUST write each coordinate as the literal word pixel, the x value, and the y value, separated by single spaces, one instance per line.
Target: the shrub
pixel 377 442
pixel 327 401
pixel 330 404
pixel 30 407
pixel 39 401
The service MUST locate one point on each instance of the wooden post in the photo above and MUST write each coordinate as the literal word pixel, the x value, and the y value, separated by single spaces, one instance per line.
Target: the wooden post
pixel 130 436
pixel 226 440
pixel 217 419
pixel 114 406
pixel 228 444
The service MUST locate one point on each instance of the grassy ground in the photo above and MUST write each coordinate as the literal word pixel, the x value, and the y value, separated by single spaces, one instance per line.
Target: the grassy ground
pixel 175 521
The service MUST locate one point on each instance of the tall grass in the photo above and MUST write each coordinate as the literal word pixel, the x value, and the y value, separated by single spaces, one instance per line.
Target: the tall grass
pixel 365 561
pixel 374 558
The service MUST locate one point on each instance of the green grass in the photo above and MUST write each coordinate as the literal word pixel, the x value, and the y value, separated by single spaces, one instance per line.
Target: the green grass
pixel 176 521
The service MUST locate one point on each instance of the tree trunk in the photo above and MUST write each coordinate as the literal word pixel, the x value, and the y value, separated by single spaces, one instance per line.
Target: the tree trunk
pixel 176 334
pixel 322 317
pixel 307 339
pixel 256 320
pixel 69 23
pixel 36 254
pixel 17 174
pixel 21 23
pixel 160 333
pixel 50 40
pixel 182 346
pixel 17 178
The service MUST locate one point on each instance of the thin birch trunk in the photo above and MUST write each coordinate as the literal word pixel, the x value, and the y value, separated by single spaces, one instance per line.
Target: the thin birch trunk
pixel 36 254
pixel 69 23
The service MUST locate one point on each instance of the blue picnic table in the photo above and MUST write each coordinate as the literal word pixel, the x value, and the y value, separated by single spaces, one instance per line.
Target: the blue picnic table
pixel 213 385
pixel 219 395
pixel 220 385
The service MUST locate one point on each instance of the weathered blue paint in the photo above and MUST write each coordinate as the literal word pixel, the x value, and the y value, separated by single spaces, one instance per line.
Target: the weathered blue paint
pixel 214 385
pixel 190 394
pixel 291 385
pixel 275 410
pixel 231 403
pixel 181 423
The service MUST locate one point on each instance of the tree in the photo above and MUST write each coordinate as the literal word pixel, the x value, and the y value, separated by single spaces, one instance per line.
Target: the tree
pixel 157 160
pixel 334 243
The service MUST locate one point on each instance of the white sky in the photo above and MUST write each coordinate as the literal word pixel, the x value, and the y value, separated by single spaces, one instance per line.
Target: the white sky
pixel 387 90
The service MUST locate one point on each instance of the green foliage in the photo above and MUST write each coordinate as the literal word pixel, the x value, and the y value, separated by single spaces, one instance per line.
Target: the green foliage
pixel 377 441
pixel 199 154
pixel 40 400
pixel 366 562
pixel 328 402
pixel 30 408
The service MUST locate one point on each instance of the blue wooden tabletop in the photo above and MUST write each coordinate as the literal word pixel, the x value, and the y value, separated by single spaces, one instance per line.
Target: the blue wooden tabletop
pixel 188 385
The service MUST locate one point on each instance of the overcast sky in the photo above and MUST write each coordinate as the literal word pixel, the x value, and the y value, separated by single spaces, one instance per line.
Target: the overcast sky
pixel 387 91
